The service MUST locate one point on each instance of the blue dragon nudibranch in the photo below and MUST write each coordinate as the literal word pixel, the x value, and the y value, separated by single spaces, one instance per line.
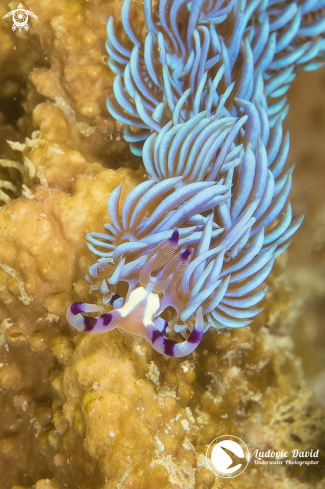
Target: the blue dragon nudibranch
pixel 136 315
pixel 203 97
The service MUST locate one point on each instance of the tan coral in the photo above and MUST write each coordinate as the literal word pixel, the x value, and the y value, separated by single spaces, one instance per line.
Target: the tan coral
pixel 48 230
pixel 79 79
pixel 70 38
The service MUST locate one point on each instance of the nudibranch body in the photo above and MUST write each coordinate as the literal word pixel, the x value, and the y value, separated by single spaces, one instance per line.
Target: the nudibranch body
pixel 179 259
pixel 203 98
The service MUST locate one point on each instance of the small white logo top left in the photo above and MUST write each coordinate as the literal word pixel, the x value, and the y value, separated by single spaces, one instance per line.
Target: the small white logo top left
pixel 20 18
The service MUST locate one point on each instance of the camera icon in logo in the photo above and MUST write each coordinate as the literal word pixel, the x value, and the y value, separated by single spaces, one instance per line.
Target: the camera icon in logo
pixel 227 456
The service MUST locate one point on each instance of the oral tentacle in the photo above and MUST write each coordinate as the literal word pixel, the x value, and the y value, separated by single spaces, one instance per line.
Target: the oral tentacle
pixel 86 324
pixel 171 348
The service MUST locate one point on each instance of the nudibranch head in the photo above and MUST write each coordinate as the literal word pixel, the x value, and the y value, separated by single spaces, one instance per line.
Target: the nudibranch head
pixel 139 313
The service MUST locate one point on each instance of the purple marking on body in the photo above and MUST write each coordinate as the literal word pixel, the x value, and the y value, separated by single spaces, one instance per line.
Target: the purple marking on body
pixel 107 318
pixel 155 335
pixel 184 256
pixel 76 308
pixel 195 336
pixel 175 236
pixel 169 347
pixel 89 323
pixel 114 298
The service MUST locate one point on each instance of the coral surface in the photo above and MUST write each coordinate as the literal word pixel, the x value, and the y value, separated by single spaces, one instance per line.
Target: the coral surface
pixel 107 411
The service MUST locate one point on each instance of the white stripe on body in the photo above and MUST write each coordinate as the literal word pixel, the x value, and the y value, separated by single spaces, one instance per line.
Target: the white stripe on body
pixel 139 311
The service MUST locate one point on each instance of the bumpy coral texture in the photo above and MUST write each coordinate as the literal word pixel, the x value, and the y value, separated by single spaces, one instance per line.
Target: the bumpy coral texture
pixel 60 59
pixel 198 90
pixel 17 59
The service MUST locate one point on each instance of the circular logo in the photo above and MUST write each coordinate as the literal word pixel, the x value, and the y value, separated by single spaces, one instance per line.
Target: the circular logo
pixel 227 456
pixel 20 17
